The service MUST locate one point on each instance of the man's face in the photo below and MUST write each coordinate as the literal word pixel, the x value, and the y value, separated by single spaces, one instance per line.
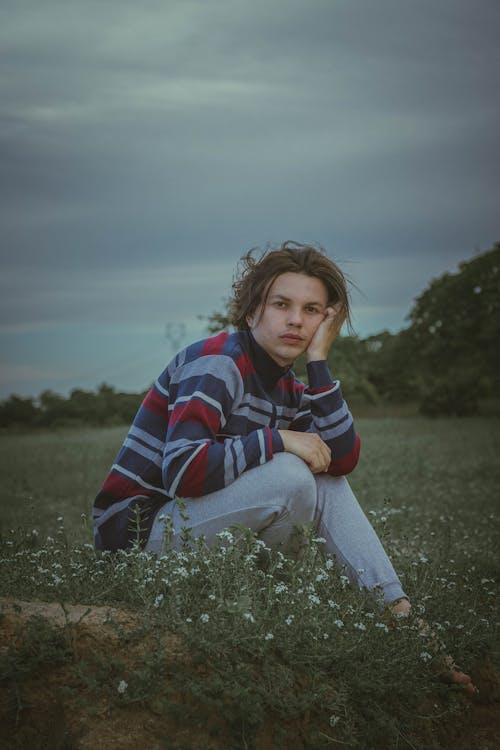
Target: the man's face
pixel 295 306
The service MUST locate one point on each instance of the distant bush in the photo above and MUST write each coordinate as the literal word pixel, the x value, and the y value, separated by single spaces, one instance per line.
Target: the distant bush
pixel 105 407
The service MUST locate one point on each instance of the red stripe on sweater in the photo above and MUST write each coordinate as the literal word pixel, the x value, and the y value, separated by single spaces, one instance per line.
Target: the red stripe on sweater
pixel 290 385
pixel 215 344
pixel 269 439
pixel 341 466
pixel 195 411
pixel 156 403
pixel 323 389
pixel 244 365
pixel 193 481
pixel 119 486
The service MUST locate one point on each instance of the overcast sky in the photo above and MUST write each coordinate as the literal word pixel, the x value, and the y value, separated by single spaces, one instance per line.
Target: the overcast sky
pixel 145 147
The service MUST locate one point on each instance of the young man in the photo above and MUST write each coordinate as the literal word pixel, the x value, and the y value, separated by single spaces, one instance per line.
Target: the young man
pixel 229 428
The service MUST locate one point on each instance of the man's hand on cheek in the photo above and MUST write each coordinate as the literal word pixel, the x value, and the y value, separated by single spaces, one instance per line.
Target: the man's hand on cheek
pixel 326 333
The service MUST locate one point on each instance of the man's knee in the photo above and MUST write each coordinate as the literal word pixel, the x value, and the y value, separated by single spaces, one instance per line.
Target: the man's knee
pixel 296 479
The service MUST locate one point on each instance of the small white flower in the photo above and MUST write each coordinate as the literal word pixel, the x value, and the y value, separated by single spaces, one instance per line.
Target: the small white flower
pixel 122 686
pixel 338 623
pixel 319 540
pixel 226 534
pixel 290 619
pixel 249 616
pixel 329 564
pixel 158 600
pixel 211 597
pixel 189 619
pixel 382 626
pixel 425 656
pixel 477 290
pixel 268 637
pixel 333 604
pixel 280 587
pixel 314 599
pixel 360 626
pixel 181 571
pixel 204 617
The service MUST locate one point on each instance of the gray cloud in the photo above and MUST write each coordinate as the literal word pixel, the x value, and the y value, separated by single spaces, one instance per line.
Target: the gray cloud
pixel 144 148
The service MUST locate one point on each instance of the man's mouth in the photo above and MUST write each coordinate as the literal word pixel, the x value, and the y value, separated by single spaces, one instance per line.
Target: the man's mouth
pixel 291 338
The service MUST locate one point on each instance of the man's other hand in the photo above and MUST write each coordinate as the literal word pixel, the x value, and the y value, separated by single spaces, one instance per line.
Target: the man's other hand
pixel 309 447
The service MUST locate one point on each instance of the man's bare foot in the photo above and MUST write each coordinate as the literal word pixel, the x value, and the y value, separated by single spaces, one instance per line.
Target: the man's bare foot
pixel 400 608
pixel 446 667
pixel 450 673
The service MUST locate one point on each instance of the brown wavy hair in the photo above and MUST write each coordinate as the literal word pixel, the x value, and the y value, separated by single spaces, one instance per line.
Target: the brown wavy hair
pixel 254 278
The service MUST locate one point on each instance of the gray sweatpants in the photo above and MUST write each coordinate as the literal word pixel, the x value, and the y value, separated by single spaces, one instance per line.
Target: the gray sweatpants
pixel 275 497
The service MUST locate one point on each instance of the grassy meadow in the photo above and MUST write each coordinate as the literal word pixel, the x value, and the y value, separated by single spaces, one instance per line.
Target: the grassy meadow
pixel 284 649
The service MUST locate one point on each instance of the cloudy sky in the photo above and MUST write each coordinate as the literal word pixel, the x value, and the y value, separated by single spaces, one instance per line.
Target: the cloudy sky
pixel 145 147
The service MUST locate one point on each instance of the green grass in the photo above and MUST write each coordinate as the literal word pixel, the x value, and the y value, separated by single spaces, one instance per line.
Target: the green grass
pixel 286 639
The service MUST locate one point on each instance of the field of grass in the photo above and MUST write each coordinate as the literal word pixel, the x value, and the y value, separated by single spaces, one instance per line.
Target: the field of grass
pixel 282 647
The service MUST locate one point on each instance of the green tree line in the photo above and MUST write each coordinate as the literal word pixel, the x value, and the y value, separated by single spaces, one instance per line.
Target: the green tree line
pixel 447 360
pixel 103 407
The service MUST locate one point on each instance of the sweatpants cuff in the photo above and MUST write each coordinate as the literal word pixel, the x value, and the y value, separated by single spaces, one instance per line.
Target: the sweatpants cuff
pixel 392 591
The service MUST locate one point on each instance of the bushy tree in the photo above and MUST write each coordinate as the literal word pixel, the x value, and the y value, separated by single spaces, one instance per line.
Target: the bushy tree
pixel 17 411
pixel 454 336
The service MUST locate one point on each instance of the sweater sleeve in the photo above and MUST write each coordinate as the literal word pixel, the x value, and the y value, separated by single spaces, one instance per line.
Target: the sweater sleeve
pixel 197 459
pixel 324 411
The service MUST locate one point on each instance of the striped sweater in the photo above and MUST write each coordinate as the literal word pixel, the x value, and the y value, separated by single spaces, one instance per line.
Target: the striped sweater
pixel 213 413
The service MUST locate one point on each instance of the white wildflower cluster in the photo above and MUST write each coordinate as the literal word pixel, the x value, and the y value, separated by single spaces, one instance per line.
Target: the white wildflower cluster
pixel 279 588
pixel 290 619
pixel 204 617
pixel 360 626
pixel 226 535
pixel 314 599
pixel 181 572
pixel 338 623
pixel 248 616
pixel 122 686
pixel 268 637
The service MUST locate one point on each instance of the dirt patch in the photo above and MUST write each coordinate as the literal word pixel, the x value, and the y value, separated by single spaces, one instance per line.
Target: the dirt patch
pixel 62 688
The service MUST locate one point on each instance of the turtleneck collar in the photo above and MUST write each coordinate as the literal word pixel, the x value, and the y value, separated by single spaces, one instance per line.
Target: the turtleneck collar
pixel 268 369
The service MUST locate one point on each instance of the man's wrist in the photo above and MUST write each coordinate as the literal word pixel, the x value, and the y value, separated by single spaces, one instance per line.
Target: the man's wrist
pixel 316 356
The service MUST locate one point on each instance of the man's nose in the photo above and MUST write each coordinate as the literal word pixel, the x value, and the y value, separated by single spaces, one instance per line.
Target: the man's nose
pixel 295 316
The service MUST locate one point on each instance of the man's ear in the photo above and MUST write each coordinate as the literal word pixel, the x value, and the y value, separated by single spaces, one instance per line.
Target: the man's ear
pixel 250 320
